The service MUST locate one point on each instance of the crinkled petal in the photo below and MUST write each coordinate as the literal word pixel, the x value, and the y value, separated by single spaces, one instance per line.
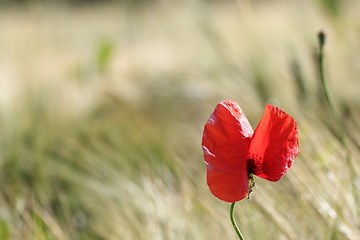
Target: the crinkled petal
pixel 225 142
pixel 274 144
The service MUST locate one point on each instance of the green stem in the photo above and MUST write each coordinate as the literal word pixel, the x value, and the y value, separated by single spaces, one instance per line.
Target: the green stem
pixel 340 125
pixel 237 230
pixel 326 91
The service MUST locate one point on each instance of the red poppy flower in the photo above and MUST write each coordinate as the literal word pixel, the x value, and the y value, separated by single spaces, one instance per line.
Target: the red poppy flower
pixel 232 150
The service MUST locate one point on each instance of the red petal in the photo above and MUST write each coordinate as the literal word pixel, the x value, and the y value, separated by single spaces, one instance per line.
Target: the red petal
pixel 229 186
pixel 274 145
pixel 225 143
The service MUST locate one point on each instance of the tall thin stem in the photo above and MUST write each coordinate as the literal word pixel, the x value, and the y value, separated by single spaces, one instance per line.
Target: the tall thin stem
pixel 237 230
pixel 326 91
pixel 340 125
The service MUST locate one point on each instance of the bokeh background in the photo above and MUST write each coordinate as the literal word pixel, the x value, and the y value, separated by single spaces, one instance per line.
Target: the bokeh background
pixel 102 107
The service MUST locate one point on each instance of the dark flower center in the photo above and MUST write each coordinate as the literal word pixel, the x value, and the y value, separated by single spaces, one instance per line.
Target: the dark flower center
pixel 253 164
pixel 250 165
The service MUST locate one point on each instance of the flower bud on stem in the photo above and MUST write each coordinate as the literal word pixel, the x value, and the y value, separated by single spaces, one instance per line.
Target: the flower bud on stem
pixel 326 91
pixel 341 131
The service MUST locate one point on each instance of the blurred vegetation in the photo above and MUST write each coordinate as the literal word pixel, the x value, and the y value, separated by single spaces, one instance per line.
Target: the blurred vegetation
pixel 102 111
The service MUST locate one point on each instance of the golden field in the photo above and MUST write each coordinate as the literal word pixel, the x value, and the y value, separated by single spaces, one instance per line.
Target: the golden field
pixel 102 110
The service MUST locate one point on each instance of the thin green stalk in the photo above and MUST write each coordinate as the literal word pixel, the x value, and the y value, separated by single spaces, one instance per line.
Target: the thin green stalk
pixel 237 230
pixel 340 125
pixel 326 91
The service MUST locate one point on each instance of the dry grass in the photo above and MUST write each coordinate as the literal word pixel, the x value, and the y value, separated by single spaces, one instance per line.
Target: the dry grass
pixel 102 109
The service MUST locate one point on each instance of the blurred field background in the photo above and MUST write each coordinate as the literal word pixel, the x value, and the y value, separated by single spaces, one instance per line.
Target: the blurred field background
pixel 102 107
